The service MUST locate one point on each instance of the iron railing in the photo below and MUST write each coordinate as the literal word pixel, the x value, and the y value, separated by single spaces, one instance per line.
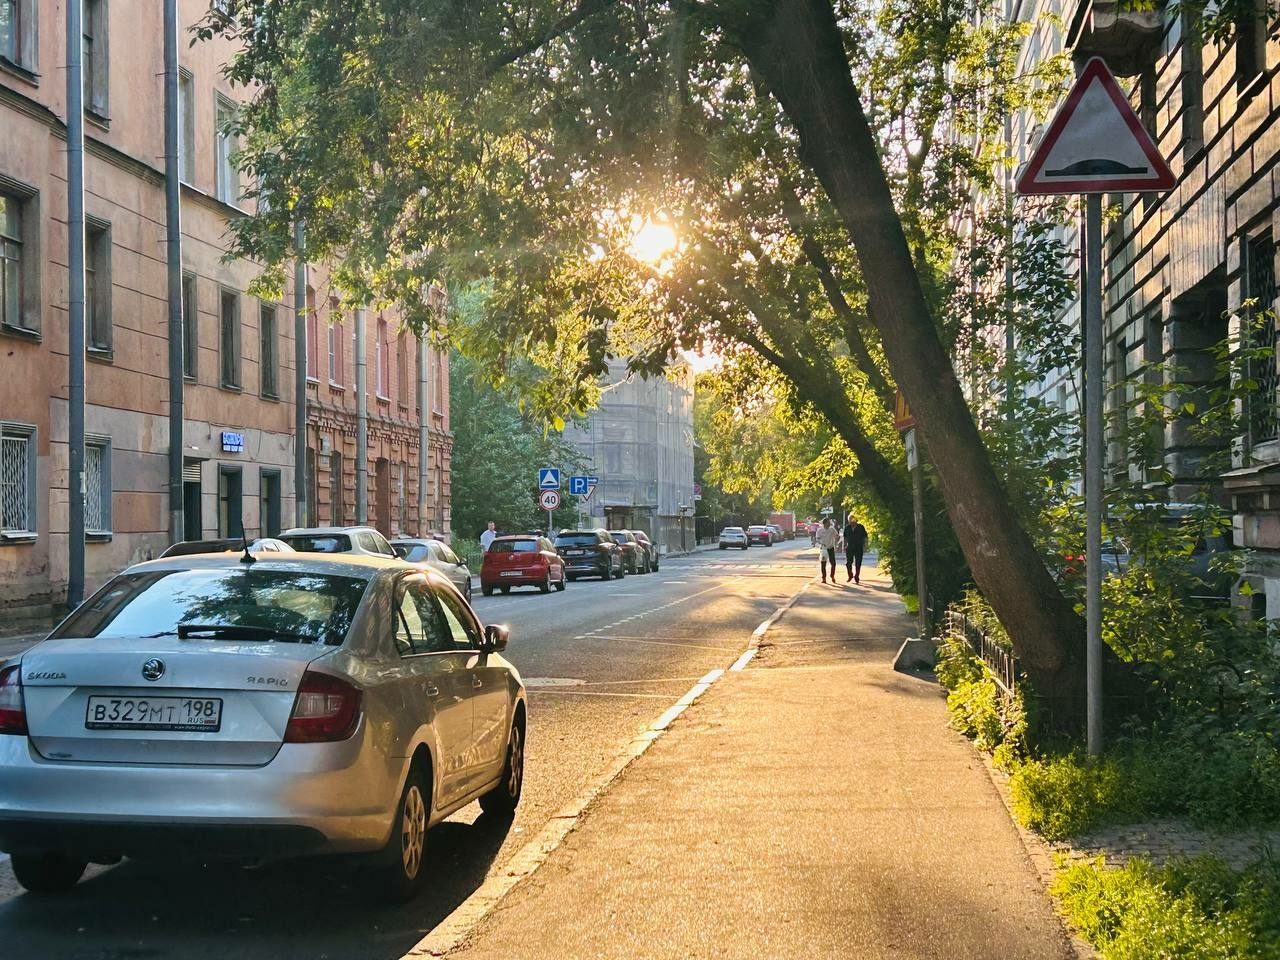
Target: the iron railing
pixel 1001 663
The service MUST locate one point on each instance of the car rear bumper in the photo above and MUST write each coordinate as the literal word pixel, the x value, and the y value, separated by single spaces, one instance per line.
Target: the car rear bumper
pixel 523 580
pixel 336 797
pixel 589 566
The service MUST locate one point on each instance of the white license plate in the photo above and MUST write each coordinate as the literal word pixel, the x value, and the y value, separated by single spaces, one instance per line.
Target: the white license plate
pixel 512 573
pixel 154 713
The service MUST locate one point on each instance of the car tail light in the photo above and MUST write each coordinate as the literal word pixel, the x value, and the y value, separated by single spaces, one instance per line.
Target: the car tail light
pixel 326 709
pixel 13 715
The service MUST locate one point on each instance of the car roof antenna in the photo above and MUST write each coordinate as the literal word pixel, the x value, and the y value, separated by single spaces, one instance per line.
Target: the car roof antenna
pixel 248 557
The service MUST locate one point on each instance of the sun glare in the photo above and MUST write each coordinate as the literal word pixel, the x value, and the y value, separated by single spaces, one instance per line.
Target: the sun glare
pixel 653 242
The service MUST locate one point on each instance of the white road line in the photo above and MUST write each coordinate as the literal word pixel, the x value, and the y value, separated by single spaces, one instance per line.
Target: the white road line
pixel 655 643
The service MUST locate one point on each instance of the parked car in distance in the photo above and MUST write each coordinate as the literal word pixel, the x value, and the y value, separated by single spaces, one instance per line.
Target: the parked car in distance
pixel 438 555
pixel 650 547
pixel 521 561
pixel 359 540
pixel 778 533
pixel 590 553
pixel 759 533
pixel 633 555
pixel 294 704
pixel 733 537
pixel 185 548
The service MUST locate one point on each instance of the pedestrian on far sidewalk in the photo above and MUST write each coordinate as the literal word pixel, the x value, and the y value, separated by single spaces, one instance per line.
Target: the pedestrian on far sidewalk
pixel 488 536
pixel 828 538
pixel 855 542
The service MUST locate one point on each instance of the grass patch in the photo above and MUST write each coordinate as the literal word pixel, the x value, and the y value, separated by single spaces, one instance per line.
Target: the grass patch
pixel 1197 908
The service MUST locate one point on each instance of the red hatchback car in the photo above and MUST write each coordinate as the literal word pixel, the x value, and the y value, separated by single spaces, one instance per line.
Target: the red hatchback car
pixel 521 561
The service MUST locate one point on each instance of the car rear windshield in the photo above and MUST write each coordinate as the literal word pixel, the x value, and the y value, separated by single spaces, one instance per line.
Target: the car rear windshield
pixel 320 543
pixel 413 552
pixel 246 602
pixel 576 540
pixel 513 546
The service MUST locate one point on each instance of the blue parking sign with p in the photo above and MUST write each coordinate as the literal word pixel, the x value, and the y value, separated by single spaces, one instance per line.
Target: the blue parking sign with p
pixel 578 486
pixel 549 478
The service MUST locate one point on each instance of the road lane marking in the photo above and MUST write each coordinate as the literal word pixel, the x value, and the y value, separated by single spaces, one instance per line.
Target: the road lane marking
pixel 656 643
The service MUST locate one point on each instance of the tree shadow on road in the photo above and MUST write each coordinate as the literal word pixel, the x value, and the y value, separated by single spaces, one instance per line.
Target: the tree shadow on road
pixel 303 908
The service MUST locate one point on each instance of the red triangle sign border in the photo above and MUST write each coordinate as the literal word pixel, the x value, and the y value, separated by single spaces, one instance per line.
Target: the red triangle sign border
pixel 1096 71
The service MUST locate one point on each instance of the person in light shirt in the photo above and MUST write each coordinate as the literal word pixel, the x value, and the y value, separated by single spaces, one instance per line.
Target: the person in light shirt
pixel 491 534
pixel 828 539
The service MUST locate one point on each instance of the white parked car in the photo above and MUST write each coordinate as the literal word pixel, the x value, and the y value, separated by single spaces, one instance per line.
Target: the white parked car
pixel 360 540
pixel 212 706
pixel 433 553
pixel 733 537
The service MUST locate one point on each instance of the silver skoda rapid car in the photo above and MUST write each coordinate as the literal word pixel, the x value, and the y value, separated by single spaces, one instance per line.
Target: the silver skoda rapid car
pixel 259 707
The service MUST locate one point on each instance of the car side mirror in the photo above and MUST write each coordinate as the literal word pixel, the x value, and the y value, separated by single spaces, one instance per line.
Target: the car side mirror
pixel 496 636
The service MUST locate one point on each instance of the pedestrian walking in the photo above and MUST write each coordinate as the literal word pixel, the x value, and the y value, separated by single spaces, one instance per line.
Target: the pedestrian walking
pixel 855 542
pixel 488 536
pixel 828 537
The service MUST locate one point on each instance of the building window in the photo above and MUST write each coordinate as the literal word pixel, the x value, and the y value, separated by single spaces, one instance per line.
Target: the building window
pixel 97 287
pixel 1260 290
pixel 380 361
pixel 190 326
pixel 402 490
pixel 20 307
pixel 313 337
pixel 186 127
pixel 335 489
pixel 229 338
pixel 93 27
pixel 11 265
pixel 335 344
pixel 17 480
pixel 267 350
pixel 228 185
pixel 97 486
pixel 17 33
pixel 437 385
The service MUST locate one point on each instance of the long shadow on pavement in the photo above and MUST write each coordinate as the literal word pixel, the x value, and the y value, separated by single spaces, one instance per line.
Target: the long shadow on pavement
pixel 304 908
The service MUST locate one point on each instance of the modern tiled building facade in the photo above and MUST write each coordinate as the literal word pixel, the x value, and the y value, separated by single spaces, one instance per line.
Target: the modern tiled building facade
pixel 239 368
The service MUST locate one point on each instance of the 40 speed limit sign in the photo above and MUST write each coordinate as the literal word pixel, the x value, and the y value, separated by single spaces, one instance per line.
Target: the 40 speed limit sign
pixel 549 499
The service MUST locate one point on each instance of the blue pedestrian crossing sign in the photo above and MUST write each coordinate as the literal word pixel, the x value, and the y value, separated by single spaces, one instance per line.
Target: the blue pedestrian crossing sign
pixel 549 478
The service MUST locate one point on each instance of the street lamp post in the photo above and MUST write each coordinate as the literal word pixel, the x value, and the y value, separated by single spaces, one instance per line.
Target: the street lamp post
pixel 684 510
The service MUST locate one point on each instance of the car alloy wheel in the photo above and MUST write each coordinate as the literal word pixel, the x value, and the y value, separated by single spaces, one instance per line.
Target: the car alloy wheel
pixel 405 852
pixel 561 582
pixel 545 585
pixel 503 799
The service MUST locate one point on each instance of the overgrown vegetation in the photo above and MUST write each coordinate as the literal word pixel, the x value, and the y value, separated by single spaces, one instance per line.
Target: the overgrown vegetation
pixel 1189 908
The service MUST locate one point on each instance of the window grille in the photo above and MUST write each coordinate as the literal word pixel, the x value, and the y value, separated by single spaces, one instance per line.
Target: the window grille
pixel 1263 422
pixel 13 484
pixel 94 515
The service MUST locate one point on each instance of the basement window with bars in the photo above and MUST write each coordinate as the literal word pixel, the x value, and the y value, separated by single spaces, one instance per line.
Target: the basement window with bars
pixel 97 487
pixel 17 481
pixel 1260 291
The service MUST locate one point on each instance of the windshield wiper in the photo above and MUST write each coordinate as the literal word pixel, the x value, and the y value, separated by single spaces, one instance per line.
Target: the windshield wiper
pixel 240 631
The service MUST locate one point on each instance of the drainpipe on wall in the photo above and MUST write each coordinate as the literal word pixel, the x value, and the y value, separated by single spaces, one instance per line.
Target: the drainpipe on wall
pixel 362 426
pixel 173 250
pixel 75 307
pixel 423 438
pixel 301 514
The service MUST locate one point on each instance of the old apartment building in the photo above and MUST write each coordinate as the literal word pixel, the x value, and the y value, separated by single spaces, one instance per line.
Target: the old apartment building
pixel 239 370
pixel 1184 270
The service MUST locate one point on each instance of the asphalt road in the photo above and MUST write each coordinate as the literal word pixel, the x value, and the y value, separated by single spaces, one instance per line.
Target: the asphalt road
pixel 602 660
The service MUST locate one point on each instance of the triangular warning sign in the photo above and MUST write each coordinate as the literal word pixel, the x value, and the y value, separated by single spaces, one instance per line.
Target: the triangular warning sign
pixel 1096 144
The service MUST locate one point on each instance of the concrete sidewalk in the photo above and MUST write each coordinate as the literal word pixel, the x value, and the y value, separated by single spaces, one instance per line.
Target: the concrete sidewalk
pixel 812 805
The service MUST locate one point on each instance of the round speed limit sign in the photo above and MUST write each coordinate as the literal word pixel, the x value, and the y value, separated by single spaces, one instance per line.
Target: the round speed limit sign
pixel 550 499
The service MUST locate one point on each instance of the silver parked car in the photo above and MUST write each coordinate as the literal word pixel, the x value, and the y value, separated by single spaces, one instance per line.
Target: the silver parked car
pixel 210 705
pixel 433 553
pixel 733 537
pixel 360 540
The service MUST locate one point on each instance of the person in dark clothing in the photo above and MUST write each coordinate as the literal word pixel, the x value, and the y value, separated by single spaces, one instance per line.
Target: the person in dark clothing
pixel 855 542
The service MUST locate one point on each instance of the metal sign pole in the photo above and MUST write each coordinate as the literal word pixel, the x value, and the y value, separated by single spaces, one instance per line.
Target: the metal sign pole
pixel 1093 393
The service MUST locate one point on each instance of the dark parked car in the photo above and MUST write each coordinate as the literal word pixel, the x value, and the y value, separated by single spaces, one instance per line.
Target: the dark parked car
pixel 650 547
pixel 633 555
pixel 590 553
pixel 521 561
pixel 759 534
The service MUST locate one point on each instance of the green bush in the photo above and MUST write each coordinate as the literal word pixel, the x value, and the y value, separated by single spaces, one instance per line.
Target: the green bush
pixel 1192 908
pixel 978 708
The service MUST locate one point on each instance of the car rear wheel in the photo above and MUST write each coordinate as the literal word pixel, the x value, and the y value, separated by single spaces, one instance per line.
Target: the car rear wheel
pixel 560 583
pixel 724 546
pixel 622 570
pixel 505 588
pixel 545 585
pixel 402 867
pixel 503 799
pixel 47 873
pixel 486 590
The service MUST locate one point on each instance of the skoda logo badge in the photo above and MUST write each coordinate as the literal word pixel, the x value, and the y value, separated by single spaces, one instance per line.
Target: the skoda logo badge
pixel 153 669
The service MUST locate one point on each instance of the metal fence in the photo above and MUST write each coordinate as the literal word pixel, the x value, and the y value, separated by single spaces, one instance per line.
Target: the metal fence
pixel 1002 664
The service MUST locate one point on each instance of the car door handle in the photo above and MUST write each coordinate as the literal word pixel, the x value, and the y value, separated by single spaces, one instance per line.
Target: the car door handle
pixel 476 683
pixel 431 690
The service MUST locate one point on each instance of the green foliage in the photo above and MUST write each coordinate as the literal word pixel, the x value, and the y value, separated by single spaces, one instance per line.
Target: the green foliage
pixel 1197 908
pixel 497 451
pixel 1237 783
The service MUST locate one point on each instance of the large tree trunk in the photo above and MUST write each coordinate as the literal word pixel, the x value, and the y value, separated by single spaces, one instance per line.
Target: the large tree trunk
pixel 795 47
